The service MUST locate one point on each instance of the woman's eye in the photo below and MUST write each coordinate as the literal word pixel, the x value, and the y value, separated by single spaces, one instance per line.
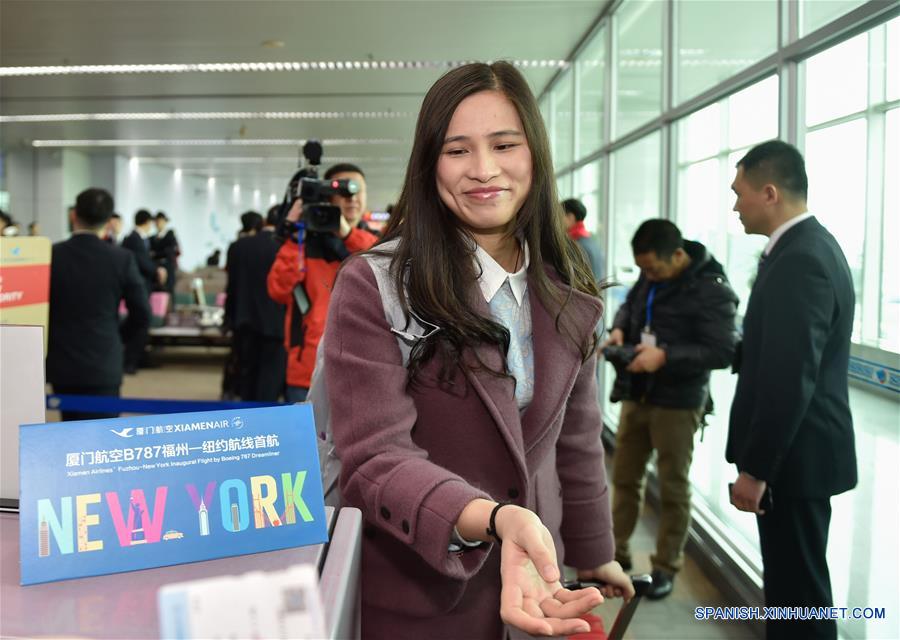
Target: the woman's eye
pixel 506 145
pixel 455 152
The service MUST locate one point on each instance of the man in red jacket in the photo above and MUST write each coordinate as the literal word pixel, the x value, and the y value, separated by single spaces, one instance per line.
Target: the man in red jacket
pixel 314 264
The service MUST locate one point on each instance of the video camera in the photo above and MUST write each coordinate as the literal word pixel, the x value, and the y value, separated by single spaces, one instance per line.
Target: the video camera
pixel 619 355
pixel 318 214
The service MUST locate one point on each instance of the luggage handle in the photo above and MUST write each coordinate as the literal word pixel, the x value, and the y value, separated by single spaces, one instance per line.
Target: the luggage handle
pixel 641 583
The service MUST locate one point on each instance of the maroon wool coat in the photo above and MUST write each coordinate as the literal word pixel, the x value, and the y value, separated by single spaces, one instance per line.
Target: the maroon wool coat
pixel 413 458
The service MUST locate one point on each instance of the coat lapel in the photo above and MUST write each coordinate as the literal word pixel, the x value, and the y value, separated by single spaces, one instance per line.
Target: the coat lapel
pixel 497 394
pixel 557 361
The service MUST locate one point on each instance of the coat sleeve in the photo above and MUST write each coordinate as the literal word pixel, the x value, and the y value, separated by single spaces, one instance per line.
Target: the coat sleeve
pixel 384 473
pixel 285 273
pixel 714 337
pixel 800 303
pixel 587 524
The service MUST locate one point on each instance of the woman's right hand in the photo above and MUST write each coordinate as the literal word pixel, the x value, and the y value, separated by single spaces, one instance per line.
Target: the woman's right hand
pixel 532 597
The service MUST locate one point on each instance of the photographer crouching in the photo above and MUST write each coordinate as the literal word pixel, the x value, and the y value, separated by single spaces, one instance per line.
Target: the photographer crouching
pixel 318 240
pixel 676 324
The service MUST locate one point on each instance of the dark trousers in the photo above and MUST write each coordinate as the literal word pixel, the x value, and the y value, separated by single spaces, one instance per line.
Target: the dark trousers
pixel 77 390
pixel 135 342
pixel 262 363
pixel 793 537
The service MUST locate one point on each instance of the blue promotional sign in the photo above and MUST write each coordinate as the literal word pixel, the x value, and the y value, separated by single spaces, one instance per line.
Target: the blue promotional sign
pixel 104 496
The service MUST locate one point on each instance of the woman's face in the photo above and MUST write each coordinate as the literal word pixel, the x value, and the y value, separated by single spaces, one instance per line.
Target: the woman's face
pixel 484 170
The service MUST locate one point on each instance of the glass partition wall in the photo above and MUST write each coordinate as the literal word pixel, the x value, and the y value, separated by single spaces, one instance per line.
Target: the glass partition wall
pixel 665 97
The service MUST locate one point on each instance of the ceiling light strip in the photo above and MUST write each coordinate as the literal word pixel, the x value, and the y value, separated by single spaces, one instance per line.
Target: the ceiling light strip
pixel 220 67
pixel 238 142
pixel 208 115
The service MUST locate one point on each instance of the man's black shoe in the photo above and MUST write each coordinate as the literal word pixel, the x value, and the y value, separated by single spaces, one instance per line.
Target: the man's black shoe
pixel 662 585
pixel 130 369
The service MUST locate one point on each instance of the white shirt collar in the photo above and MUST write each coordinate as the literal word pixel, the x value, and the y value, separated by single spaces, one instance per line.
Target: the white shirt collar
pixel 776 235
pixel 493 275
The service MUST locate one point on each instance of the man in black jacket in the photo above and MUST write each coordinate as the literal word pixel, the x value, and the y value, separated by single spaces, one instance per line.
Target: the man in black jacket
pixel 138 243
pixel 791 431
pixel 164 250
pixel 257 321
pixel 88 278
pixel 679 320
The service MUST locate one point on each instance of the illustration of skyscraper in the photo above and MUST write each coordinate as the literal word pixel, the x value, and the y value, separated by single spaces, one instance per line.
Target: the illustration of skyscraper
pixel 258 520
pixel 137 532
pixel 235 517
pixel 82 533
pixel 43 539
pixel 204 519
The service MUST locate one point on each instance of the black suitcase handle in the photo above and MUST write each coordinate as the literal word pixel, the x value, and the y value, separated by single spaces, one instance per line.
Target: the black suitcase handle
pixel 641 583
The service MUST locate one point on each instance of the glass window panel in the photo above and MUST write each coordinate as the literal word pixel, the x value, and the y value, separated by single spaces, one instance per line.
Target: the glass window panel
pixel 700 133
pixel 818 13
pixel 563 121
pixel 837 193
pixel 837 81
pixel 591 70
pixel 892 55
pixel 707 56
pixel 753 114
pixel 564 186
pixel 889 330
pixel 638 80
pixel 587 189
pixel 711 141
pixel 635 197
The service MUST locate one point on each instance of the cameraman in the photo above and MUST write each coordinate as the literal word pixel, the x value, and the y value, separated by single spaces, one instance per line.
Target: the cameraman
pixel 314 265
pixel 676 324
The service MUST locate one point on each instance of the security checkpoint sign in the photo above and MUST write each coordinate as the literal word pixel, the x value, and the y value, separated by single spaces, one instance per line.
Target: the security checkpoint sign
pixel 105 496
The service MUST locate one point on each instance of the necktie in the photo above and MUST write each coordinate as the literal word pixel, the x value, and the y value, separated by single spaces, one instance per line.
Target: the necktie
pixel 520 357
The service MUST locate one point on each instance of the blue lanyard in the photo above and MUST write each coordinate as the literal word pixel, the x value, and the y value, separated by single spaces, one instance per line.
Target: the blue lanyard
pixel 650 296
pixel 301 228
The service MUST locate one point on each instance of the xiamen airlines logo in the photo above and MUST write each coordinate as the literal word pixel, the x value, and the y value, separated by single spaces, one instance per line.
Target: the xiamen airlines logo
pixel 237 423
pixel 185 427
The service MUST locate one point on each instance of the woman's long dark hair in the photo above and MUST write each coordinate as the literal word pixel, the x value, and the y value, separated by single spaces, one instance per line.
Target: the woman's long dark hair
pixel 433 264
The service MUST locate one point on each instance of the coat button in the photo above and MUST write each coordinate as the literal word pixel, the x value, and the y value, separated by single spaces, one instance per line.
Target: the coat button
pixel 385 513
pixel 405 526
pixel 513 493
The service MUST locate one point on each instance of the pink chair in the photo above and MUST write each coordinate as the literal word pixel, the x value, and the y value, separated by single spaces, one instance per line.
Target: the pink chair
pixel 159 304
pixel 220 299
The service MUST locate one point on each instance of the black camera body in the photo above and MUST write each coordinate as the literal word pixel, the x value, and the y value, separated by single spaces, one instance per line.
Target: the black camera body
pixel 318 214
pixel 619 355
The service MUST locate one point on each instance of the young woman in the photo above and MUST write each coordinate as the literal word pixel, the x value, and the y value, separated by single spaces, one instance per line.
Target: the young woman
pixel 471 417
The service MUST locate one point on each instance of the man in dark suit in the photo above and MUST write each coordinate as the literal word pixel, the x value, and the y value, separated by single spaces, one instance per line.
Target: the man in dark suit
pixel 164 250
pixel 791 432
pixel 138 243
pixel 88 278
pixel 256 320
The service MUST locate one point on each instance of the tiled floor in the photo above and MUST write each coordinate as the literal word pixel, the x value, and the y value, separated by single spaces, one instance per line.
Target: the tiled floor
pixel 672 618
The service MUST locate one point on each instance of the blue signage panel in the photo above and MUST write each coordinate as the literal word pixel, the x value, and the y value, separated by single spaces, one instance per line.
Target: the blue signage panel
pixel 103 496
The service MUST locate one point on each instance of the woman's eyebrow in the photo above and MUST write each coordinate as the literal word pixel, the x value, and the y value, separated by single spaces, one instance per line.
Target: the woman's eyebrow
pixel 495 134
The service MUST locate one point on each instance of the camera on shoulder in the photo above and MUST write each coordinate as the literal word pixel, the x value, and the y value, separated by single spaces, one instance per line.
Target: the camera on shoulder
pixel 318 214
